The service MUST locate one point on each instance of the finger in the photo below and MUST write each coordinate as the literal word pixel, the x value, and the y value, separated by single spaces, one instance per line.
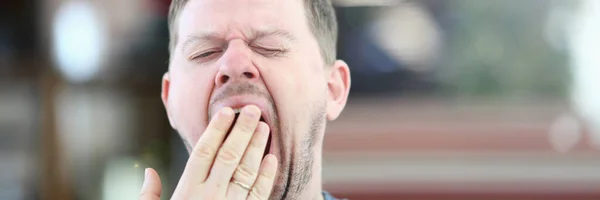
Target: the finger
pixel 234 146
pixel 247 171
pixel 261 190
pixel 152 187
pixel 203 154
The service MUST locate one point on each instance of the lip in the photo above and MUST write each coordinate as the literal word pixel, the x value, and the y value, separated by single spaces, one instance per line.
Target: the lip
pixel 240 101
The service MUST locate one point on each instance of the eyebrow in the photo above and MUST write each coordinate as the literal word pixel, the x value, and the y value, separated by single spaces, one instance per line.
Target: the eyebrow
pixel 190 39
pixel 274 32
pixel 254 35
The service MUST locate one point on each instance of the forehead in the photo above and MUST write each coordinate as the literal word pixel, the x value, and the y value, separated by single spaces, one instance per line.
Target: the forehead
pixel 241 17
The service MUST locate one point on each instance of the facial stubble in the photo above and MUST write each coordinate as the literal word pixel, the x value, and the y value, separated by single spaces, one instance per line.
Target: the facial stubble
pixel 295 170
pixel 296 174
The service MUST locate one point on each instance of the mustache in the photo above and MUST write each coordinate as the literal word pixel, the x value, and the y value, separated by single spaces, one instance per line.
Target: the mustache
pixel 239 89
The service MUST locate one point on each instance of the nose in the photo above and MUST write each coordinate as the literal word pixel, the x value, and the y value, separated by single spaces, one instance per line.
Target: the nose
pixel 236 65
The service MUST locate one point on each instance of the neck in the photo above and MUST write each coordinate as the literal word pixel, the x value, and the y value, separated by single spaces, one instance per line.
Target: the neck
pixel 314 189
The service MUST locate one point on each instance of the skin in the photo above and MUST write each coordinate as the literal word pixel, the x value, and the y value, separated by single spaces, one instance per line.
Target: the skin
pixel 259 55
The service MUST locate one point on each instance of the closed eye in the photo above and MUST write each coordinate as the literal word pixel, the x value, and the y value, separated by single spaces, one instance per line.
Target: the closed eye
pixel 269 52
pixel 204 55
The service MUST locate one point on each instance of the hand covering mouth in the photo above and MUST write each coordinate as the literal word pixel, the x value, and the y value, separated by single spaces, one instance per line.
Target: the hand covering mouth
pixel 262 119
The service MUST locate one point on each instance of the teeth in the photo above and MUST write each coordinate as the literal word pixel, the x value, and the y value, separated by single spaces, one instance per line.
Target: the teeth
pixel 237 110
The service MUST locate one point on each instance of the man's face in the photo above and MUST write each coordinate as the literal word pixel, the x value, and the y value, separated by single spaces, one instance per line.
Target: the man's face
pixel 261 52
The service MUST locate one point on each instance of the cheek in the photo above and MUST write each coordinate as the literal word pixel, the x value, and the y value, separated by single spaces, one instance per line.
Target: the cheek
pixel 190 94
pixel 294 89
pixel 289 86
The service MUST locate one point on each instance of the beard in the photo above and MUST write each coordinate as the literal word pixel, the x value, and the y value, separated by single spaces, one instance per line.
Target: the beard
pixel 296 173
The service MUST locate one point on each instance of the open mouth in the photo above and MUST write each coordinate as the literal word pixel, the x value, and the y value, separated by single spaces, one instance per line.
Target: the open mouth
pixel 267 148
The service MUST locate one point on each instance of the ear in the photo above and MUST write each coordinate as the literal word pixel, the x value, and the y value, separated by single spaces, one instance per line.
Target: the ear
pixel 164 95
pixel 338 83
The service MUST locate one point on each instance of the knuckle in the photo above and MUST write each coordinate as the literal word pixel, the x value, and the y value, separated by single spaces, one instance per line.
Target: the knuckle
pixel 245 173
pixel 258 144
pixel 257 192
pixel 246 126
pixel 203 151
pixel 218 128
pixel 147 195
pixel 229 155
pixel 261 189
pixel 267 175
pixel 143 195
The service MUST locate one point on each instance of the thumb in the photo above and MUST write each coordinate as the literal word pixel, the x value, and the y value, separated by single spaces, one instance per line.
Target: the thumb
pixel 152 187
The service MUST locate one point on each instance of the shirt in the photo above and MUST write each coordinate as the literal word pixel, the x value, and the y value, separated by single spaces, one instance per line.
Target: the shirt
pixel 328 196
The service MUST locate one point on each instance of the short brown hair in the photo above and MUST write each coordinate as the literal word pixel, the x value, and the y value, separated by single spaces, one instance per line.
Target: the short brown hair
pixel 321 20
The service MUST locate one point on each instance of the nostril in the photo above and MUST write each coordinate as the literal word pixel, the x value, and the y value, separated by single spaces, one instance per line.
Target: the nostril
pixel 248 75
pixel 224 79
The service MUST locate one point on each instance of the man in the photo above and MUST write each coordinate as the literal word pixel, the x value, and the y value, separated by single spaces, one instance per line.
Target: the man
pixel 250 87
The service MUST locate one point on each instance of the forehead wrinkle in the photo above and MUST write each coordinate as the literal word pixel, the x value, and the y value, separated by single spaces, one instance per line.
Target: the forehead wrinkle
pixel 249 35
pixel 262 24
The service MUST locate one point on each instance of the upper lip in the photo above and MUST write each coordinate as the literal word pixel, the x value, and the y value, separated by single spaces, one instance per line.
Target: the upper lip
pixel 240 101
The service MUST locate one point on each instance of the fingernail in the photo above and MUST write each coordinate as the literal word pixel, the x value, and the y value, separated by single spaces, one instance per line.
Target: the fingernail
pixel 146 175
pixel 251 111
pixel 227 111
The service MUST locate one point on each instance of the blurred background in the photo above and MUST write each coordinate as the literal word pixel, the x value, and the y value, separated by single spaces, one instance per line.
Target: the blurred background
pixel 451 99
